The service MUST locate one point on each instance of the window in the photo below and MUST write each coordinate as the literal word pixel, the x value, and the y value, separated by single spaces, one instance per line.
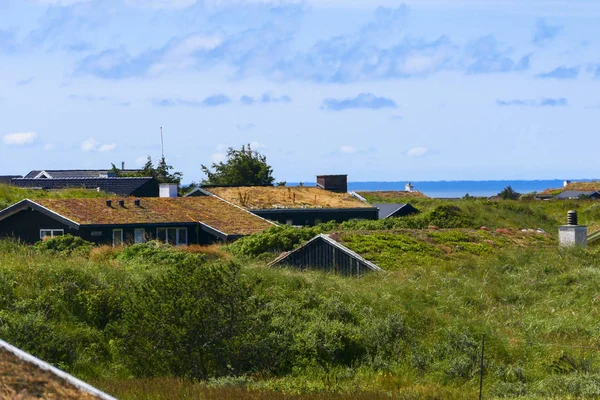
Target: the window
pixel 117 237
pixel 174 236
pixel 318 221
pixel 50 233
pixel 289 222
pixel 139 235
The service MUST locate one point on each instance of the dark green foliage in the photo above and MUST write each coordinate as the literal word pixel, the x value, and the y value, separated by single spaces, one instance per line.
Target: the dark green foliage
pixel 508 193
pixel 162 171
pixel 65 244
pixel 244 167
pixel 276 239
pixel 155 252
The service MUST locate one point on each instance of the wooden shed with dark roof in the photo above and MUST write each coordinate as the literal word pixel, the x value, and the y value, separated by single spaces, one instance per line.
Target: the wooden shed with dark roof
pixel 293 205
pixel 179 221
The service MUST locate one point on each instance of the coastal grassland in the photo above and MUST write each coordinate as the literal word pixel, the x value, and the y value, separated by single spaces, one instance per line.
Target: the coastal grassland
pixel 527 213
pixel 11 194
pixel 153 322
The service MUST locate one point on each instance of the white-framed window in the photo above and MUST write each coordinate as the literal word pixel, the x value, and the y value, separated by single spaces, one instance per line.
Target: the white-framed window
pixel 289 222
pixel 44 233
pixel 139 235
pixel 174 236
pixel 117 237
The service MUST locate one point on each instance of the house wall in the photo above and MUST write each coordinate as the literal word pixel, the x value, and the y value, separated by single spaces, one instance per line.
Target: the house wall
pixel 25 225
pixel 104 234
pixel 322 256
pixel 308 217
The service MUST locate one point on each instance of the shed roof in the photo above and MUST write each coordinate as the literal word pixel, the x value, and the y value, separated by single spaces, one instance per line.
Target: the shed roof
pixel 570 194
pixel 74 173
pixel 390 210
pixel 211 211
pixel 23 376
pixel 278 197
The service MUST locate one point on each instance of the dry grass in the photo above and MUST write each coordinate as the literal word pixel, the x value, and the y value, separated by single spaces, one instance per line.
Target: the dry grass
pixel 176 389
pixel 20 380
pixel 212 251
pixel 393 194
pixel 265 197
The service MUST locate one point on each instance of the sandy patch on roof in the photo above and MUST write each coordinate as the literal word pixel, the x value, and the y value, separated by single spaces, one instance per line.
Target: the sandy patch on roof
pixel 269 197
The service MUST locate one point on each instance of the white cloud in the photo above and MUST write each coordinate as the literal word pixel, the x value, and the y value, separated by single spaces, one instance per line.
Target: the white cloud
pixel 160 4
pixel 107 147
pixel 218 157
pixel 257 145
pixel 347 149
pixel 19 138
pixel 89 144
pixel 60 2
pixel 417 152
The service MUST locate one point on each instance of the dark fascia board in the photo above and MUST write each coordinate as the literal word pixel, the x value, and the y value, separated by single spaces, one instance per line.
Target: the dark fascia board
pixel 25 204
pixel 214 232
pixel 323 210
pixel 334 243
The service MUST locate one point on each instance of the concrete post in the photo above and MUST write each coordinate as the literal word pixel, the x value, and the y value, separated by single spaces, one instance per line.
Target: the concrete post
pixel 572 234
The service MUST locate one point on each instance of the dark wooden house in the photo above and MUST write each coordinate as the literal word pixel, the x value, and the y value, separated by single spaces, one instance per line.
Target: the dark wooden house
pixel 299 206
pixel 126 186
pixel 395 210
pixel 325 254
pixel 179 221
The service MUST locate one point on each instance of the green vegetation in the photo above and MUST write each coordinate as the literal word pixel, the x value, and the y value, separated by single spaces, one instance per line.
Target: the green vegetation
pixel 151 311
pixel 244 167
pixel 152 321
pixel 11 194
pixel 162 172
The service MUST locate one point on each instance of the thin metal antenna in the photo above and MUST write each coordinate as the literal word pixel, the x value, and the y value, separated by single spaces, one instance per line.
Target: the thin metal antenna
pixel 162 143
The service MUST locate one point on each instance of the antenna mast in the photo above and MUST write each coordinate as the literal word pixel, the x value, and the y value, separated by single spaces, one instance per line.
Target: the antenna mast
pixel 162 144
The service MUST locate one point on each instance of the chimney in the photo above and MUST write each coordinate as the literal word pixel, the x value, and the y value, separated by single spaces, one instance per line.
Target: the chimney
pixel 137 202
pixel 122 165
pixel 122 203
pixel 572 234
pixel 333 183
pixel 408 187
pixel 565 183
pixel 168 190
pixel 109 203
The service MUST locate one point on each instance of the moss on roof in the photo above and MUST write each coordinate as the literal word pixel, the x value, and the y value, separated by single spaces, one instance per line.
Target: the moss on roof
pixel 592 186
pixel 273 197
pixel 211 211
pixel 23 380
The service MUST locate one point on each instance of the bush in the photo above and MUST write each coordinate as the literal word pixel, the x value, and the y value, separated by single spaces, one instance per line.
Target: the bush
pixel 157 253
pixel 65 244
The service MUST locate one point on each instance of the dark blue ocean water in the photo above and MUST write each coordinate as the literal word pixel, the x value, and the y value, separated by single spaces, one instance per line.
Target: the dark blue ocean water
pixel 456 188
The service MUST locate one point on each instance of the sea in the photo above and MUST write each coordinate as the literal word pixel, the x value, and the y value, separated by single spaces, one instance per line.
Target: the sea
pixel 456 189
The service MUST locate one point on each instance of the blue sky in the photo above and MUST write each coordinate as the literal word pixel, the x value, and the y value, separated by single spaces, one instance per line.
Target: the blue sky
pixel 388 90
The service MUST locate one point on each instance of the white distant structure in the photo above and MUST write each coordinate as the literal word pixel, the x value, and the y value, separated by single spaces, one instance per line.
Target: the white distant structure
pixel 408 187
pixel 566 182
pixel 168 190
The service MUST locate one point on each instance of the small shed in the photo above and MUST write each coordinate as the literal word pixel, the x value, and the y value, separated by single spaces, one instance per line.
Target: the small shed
pixel 577 194
pixel 395 210
pixel 325 254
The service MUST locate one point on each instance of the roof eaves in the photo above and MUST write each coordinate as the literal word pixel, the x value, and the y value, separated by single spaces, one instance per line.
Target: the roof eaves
pixel 312 209
pixel 21 205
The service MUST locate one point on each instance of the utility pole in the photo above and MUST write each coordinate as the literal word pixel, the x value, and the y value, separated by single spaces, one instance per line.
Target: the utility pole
pixel 481 368
pixel 162 144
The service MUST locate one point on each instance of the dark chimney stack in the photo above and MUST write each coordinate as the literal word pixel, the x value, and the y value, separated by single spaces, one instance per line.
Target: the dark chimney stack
pixel 109 203
pixel 122 203
pixel 333 183
pixel 137 202
pixel 122 165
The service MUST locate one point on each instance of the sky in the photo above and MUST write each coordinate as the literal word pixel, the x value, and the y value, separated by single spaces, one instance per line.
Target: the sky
pixel 379 90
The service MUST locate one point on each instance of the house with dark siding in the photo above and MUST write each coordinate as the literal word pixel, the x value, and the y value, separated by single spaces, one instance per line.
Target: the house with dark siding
pixel 297 205
pixel 175 220
pixel 388 210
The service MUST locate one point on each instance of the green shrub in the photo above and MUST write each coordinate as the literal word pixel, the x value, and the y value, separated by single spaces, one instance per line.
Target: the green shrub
pixel 65 244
